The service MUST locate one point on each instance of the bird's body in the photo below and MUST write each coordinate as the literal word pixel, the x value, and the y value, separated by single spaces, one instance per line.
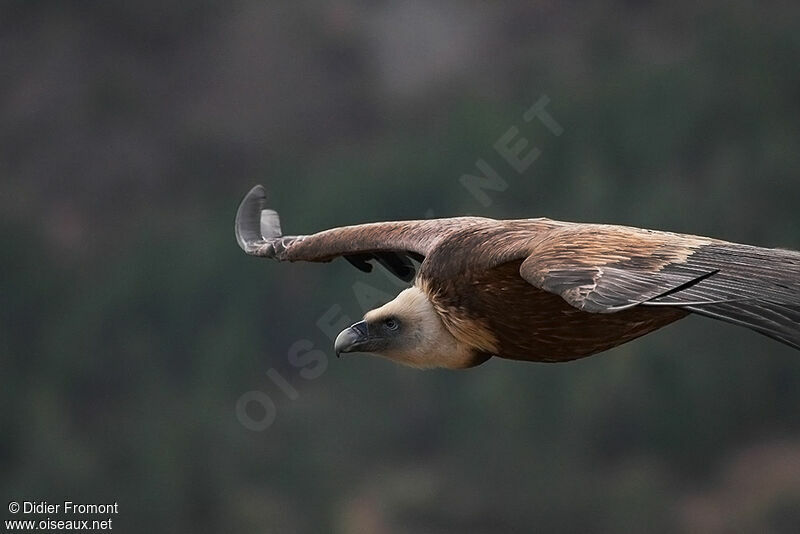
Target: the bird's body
pixel 537 289
pixel 500 313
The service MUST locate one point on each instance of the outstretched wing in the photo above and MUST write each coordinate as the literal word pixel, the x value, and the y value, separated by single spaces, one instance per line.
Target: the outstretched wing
pixel 392 244
pixel 606 269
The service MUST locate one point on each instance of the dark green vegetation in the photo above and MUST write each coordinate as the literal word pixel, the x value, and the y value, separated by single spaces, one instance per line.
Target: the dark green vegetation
pixel 132 323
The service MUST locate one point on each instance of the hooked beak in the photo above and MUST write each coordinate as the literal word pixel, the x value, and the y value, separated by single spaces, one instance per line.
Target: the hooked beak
pixel 352 339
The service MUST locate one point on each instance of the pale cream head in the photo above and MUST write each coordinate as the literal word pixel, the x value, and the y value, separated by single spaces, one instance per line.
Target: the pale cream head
pixel 408 330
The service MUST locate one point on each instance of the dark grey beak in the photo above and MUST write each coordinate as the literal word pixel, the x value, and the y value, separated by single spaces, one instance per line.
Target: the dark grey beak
pixel 352 339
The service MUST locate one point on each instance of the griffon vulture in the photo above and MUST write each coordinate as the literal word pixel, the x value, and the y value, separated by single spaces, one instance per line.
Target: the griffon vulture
pixel 536 289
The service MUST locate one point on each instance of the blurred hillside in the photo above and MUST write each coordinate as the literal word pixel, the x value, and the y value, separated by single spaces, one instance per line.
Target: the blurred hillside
pixel 132 324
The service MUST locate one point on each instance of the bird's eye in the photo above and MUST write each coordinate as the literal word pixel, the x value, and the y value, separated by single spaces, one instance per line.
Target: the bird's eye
pixel 391 323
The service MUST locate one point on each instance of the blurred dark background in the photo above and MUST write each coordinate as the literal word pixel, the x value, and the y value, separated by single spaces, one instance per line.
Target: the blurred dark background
pixel 132 324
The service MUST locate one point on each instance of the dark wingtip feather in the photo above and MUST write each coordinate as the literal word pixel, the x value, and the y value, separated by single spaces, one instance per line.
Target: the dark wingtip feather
pixel 756 287
pixel 359 261
pixel 397 264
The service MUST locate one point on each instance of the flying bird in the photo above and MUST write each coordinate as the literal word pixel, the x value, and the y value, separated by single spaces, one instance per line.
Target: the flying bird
pixel 536 289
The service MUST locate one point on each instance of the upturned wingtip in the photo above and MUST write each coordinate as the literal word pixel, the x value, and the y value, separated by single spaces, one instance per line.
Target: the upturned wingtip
pixel 248 219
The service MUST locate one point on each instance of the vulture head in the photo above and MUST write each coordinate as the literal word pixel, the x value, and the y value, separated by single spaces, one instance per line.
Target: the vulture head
pixel 407 330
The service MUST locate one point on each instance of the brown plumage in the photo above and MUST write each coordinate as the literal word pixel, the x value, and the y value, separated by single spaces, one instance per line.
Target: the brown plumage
pixel 537 289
